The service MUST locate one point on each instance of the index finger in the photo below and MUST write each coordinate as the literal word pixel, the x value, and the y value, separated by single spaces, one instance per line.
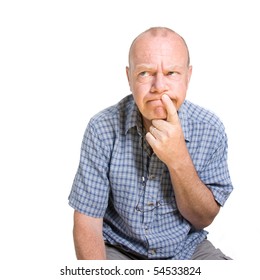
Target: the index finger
pixel 170 109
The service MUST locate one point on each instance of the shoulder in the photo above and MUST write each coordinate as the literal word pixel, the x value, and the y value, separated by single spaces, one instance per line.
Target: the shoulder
pixel 198 115
pixel 110 121
pixel 201 125
pixel 112 112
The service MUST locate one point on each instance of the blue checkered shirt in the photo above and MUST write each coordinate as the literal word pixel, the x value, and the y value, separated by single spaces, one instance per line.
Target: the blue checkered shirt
pixel 121 180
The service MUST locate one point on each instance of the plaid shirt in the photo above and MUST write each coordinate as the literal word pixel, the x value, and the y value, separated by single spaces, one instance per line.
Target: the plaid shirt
pixel 140 215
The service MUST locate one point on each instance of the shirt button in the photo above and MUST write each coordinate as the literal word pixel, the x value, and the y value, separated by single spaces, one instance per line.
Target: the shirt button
pixel 152 251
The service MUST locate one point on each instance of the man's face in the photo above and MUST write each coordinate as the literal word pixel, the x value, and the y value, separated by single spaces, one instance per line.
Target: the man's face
pixel 158 65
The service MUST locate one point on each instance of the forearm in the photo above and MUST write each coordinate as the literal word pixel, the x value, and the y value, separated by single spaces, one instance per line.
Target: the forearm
pixel 194 200
pixel 88 238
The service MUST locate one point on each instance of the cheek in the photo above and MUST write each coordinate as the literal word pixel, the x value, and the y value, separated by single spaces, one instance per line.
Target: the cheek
pixel 139 93
pixel 181 99
pixel 138 98
pixel 178 94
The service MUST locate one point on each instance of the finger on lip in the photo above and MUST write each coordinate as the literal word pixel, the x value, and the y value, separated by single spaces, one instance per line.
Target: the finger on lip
pixel 166 100
pixel 165 97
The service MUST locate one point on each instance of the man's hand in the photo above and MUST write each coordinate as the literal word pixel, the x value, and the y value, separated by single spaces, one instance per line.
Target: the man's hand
pixel 166 136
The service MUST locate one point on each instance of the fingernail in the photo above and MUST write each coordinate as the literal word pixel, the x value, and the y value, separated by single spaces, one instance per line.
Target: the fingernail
pixel 165 95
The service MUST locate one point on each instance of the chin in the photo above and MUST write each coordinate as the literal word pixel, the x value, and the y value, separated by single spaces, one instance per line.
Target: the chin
pixel 159 114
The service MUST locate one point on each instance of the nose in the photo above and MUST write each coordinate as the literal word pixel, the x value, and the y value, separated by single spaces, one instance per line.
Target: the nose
pixel 159 83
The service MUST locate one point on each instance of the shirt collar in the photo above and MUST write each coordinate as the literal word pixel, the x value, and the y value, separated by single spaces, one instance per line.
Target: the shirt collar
pixel 133 118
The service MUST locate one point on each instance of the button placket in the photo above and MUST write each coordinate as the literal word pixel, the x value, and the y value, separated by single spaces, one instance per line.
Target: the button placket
pixel 152 188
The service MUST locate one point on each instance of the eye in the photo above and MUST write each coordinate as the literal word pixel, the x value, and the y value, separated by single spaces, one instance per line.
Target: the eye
pixel 144 74
pixel 172 73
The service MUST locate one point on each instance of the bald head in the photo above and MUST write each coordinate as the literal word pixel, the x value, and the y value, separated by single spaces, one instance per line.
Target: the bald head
pixel 158 32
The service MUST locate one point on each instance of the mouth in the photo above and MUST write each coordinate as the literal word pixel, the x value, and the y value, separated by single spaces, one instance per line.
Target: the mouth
pixel 156 108
pixel 155 102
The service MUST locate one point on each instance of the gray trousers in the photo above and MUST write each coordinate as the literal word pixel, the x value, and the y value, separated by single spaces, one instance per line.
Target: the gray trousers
pixel 204 251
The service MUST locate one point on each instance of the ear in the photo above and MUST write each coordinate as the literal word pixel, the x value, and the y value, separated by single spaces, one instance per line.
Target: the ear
pixel 189 73
pixel 127 72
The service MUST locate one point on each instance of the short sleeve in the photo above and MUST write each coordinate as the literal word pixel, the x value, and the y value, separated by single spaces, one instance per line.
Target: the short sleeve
pixel 90 190
pixel 216 174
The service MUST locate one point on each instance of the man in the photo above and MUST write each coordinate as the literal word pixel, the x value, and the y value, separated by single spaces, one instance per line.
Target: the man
pixel 153 169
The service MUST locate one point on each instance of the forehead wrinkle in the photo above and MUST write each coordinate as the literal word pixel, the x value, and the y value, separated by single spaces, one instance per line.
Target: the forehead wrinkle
pixel 155 67
pixel 163 57
pixel 145 66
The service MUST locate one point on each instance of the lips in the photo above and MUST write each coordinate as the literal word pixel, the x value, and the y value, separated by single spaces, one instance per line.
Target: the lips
pixel 155 102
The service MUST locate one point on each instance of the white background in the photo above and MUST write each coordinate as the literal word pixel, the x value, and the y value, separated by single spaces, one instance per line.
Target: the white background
pixel 63 61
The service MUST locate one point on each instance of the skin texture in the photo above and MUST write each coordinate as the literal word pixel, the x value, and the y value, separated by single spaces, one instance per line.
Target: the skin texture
pixel 158 76
pixel 88 238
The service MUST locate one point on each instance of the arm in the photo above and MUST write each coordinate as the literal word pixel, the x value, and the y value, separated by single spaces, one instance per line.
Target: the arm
pixel 195 201
pixel 88 238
